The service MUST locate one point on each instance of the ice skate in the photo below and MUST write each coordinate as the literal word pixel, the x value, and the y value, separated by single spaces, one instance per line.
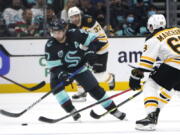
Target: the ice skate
pixel 149 123
pixel 79 97
pixel 76 116
pixel 112 82
pixel 119 115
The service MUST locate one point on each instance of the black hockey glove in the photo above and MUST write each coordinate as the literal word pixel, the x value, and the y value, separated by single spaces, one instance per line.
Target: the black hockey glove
pixel 64 76
pixel 135 79
pixel 90 57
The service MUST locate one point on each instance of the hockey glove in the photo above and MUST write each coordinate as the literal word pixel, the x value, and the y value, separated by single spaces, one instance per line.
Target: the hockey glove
pixel 63 76
pixel 135 79
pixel 90 57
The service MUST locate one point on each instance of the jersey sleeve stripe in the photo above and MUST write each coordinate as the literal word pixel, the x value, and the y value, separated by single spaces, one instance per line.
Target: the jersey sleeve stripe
pixel 146 65
pixel 90 38
pixel 175 60
pixel 146 61
pixel 104 47
pixel 148 58
pixel 54 63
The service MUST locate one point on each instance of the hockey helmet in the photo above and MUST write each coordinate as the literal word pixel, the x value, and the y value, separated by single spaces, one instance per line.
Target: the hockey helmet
pixel 156 21
pixel 73 11
pixel 58 24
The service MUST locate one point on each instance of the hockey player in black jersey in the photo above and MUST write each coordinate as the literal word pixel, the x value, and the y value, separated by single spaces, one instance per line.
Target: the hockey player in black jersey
pixel 66 51
pixel 99 64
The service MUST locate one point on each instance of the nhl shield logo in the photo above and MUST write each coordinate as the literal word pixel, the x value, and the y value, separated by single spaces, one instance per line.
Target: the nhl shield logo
pixel 60 54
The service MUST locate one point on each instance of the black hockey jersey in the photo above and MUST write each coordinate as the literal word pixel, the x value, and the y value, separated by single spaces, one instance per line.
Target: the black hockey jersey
pixel 69 55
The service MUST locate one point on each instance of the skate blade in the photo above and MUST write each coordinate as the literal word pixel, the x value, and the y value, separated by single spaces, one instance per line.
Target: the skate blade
pixel 78 120
pixel 79 100
pixel 125 119
pixel 150 127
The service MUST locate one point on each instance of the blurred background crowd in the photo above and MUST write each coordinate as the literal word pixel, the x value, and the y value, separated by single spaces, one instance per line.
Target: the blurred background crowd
pixel 31 18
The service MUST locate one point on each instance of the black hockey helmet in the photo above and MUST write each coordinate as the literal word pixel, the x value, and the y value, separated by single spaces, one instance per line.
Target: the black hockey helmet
pixel 58 24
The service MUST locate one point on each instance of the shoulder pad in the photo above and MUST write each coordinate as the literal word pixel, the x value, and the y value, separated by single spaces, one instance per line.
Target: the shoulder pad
pixel 50 42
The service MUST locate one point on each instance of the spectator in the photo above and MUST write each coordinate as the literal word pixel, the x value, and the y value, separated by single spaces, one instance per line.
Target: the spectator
pixel 64 12
pixel 13 13
pixel 25 28
pixel 29 3
pixel 101 13
pixel 39 23
pixel 140 11
pixel 57 5
pixel 87 7
pixel 4 4
pixel 3 28
pixel 146 2
pixel 109 30
pixel 37 10
pixel 119 10
pixel 130 27
pixel 151 11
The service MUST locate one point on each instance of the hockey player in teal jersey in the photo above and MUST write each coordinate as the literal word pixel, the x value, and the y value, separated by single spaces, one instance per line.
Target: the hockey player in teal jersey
pixel 66 51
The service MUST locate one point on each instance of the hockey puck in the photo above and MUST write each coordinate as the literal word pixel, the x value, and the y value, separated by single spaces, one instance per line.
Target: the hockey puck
pixel 24 124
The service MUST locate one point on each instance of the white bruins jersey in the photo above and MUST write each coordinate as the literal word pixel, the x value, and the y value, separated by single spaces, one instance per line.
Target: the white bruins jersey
pixel 91 25
pixel 164 44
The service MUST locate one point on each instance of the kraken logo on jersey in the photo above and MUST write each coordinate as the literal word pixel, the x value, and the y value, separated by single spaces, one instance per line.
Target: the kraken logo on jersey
pixel 72 60
pixel 60 54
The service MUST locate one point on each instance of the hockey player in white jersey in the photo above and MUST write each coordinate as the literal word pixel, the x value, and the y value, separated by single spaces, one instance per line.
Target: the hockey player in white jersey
pixel 99 62
pixel 165 44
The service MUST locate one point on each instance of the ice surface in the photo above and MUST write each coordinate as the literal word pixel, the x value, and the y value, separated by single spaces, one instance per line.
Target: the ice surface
pixel 169 120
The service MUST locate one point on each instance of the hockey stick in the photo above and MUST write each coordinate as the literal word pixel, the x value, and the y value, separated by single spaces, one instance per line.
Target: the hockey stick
pixel 98 116
pixel 38 86
pixel 49 120
pixel 23 55
pixel 10 114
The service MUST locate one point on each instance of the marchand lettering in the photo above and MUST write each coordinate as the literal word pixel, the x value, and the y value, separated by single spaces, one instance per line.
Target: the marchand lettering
pixel 165 34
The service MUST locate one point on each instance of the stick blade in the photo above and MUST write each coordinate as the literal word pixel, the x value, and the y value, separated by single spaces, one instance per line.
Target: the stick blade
pixel 40 85
pixel 9 114
pixel 47 120
pixel 94 115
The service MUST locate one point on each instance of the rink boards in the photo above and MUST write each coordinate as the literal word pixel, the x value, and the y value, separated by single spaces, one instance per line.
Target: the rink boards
pixel 32 70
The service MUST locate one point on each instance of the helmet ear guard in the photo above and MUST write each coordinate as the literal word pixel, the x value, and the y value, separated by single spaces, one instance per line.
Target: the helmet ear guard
pixel 155 22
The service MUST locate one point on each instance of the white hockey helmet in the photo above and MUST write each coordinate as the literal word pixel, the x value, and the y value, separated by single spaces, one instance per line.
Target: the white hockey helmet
pixel 156 21
pixel 73 11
